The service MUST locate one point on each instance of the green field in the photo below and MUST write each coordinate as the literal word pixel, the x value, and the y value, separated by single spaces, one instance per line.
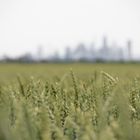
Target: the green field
pixel 10 71
pixel 69 101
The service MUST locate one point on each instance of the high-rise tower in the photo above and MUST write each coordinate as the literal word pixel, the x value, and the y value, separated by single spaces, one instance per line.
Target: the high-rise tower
pixel 105 44
pixel 129 49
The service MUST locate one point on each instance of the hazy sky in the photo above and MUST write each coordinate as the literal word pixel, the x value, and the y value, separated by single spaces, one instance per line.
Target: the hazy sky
pixel 54 24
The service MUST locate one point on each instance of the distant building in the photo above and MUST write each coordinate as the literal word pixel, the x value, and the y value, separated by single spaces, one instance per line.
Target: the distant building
pixel 111 53
pixel 80 53
pixel 105 53
pixel 129 49
pixel 68 54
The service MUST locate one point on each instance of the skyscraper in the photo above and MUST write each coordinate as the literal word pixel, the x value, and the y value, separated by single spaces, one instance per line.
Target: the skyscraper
pixel 129 49
pixel 105 44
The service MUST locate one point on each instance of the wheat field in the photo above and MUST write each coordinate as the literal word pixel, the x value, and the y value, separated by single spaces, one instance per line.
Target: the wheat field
pixel 69 101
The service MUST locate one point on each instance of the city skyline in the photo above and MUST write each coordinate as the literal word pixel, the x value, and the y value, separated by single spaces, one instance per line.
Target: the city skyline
pixel 82 52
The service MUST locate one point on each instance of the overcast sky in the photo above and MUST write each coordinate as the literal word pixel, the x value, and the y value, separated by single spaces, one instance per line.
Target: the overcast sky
pixel 54 24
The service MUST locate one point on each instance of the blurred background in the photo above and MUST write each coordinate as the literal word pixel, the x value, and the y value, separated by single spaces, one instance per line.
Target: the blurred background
pixel 69 30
